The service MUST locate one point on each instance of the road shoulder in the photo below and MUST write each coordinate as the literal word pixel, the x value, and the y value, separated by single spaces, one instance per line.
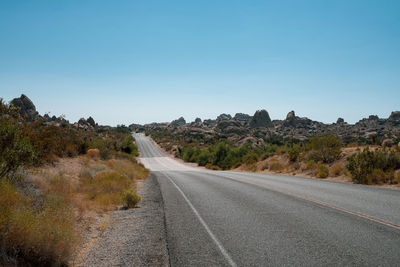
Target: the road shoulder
pixel 134 237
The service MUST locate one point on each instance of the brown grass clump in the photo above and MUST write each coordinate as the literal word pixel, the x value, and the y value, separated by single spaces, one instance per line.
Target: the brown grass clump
pixel 43 229
pixel 212 167
pixel 106 188
pixel 36 235
pixel 276 166
pixel 93 153
pixel 336 169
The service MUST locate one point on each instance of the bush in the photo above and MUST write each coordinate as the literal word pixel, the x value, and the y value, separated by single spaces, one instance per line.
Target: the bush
pixel 131 198
pixel 276 166
pixel 326 148
pixel 336 170
pixel 323 171
pixel 294 152
pixel 106 188
pixel 93 153
pixel 204 158
pixel 311 165
pixel 212 167
pixel 36 236
pixel 15 150
pixel 373 166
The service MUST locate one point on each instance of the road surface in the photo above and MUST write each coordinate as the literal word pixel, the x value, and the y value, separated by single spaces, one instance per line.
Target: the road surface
pixel 225 218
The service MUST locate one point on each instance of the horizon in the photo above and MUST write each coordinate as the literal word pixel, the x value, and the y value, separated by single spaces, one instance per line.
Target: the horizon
pixel 155 62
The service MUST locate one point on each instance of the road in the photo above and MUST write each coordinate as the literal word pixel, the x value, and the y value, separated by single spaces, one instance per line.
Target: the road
pixel 226 218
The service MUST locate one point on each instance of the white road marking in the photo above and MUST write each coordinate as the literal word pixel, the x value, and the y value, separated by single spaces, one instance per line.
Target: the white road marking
pixel 165 164
pixel 213 237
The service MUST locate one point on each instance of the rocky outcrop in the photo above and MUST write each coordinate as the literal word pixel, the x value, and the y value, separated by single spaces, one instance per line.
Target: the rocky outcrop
pixel 340 121
pixel 260 127
pixel 260 119
pixel 230 127
pixel 224 117
pixel 91 121
pixel 243 118
pixel 179 122
pixel 27 109
pixel 394 116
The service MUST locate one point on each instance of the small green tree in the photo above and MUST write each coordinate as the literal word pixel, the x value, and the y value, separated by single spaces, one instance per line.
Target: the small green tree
pixel 15 150
pixel 326 148
pixel 361 166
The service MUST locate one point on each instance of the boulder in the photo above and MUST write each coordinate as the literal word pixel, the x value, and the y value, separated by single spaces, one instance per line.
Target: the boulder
pixel 290 116
pixel 373 118
pixel 395 116
pixel 340 121
pixel 179 122
pixel 91 121
pixel 224 117
pixel 387 143
pixel 27 109
pixel 260 119
pixel 241 117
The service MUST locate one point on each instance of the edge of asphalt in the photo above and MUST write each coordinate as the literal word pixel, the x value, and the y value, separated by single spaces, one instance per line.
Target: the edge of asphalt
pixel 135 237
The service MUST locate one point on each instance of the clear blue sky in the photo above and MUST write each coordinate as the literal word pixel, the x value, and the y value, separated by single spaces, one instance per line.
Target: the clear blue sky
pixel 145 61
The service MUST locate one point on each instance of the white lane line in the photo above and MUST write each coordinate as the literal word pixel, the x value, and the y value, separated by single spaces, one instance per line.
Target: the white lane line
pixel 213 237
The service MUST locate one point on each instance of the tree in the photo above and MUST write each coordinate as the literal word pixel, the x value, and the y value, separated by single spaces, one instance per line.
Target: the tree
pixel 15 150
pixel 326 148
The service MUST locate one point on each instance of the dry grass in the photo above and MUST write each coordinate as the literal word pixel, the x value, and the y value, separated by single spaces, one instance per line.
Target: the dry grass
pixel 276 166
pixel 93 153
pixel 39 235
pixel 336 169
pixel 43 229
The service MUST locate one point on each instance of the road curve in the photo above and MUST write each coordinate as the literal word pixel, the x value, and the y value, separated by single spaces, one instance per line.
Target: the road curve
pixel 225 218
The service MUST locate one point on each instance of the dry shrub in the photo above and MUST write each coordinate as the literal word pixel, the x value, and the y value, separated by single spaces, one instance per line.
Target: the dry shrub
pixel 276 166
pixel 93 153
pixel 132 170
pixel 310 165
pixel 396 179
pixel 106 188
pixel 252 167
pixel 352 144
pixel 336 170
pixel 35 235
pixel 212 167
pixel 296 166
pixel 131 198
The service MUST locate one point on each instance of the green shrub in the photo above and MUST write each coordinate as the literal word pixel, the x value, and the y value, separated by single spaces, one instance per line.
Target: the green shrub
pixel 325 148
pixel 131 198
pixel 373 166
pixel 204 157
pixel 294 152
pixel 323 171
pixel 15 150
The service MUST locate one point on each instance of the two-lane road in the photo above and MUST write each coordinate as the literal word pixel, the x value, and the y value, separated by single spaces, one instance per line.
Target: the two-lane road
pixel 218 218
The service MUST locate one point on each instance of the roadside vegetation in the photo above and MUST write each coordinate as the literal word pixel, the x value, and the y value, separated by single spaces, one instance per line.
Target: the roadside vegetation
pixel 321 156
pixel 53 182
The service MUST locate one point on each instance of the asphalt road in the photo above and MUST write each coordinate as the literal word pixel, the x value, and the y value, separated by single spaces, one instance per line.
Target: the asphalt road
pixel 218 218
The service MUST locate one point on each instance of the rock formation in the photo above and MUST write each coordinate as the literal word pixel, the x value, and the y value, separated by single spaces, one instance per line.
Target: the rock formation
pixel 243 118
pixel 179 122
pixel 27 109
pixel 260 119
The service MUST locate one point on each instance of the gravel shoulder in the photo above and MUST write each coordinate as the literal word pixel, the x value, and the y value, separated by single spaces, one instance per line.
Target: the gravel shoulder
pixel 134 237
